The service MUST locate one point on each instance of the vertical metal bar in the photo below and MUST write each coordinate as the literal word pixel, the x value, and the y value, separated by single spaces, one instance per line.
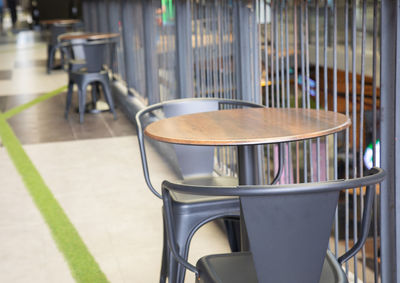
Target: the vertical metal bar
pixel 196 48
pixel 335 144
pixel 354 122
pixel 243 37
pixel 273 53
pixel 257 66
pixel 289 171
pixel 266 81
pixel 220 51
pixel 307 84
pixel 374 122
pixel 150 53
pixel 303 89
pixel 346 58
pixel 317 100
pixel 202 50
pixel 277 54
pixel 207 49
pixel 287 56
pixel 214 48
pixel 390 143
pixel 226 57
pixel 361 148
pixel 282 55
pixel 296 91
pixel 128 35
pixel 184 48
pixel 266 60
pixel 326 82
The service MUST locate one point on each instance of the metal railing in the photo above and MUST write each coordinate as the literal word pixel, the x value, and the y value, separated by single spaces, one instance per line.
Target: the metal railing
pixel 308 54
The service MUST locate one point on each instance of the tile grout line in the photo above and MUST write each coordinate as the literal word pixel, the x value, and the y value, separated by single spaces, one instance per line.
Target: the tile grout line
pixel 83 266
pixel 8 114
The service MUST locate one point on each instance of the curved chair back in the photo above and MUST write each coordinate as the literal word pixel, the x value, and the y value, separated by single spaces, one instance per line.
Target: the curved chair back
pixel 289 226
pixel 93 52
pixel 203 155
pixel 56 31
pixel 186 155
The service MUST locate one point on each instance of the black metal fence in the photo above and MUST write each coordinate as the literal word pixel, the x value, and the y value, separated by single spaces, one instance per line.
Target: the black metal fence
pixel 333 55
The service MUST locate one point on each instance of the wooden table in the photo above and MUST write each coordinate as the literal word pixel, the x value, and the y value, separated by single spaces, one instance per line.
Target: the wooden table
pixel 245 128
pixel 60 22
pixel 88 36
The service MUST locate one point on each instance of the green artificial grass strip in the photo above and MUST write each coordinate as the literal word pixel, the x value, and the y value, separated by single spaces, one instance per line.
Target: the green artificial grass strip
pixel 83 266
pixel 41 98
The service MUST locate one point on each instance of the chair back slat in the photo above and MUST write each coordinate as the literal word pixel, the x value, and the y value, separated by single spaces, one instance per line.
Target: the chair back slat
pixel 193 160
pixel 288 234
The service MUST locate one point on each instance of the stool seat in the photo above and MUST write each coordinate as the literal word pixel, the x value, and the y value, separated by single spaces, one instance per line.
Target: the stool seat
pixel 239 268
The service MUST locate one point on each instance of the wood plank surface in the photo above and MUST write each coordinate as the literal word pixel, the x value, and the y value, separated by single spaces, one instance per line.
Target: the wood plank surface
pixel 247 126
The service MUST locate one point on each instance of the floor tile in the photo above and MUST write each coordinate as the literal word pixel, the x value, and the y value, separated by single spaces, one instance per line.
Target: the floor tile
pixel 30 63
pixel 5 75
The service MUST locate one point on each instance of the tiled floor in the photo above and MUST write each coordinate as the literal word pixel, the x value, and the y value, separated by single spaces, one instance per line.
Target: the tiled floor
pixel 93 170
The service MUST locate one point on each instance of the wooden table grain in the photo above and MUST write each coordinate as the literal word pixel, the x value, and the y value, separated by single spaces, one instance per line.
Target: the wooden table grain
pixel 247 126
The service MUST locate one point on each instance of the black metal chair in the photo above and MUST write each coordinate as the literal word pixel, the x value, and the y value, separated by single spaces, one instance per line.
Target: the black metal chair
pixel 190 211
pixel 93 72
pixel 288 228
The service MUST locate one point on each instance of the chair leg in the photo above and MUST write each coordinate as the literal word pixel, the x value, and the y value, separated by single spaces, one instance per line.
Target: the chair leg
pixel 82 102
pixel 172 268
pixel 95 92
pixel 50 59
pixel 164 259
pixel 108 97
pixel 69 98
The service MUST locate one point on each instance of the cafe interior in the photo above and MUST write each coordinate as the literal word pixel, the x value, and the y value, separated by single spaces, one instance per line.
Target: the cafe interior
pixel 235 141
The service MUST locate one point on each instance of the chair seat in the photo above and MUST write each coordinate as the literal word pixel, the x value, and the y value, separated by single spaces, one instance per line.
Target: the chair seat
pixel 239 268
pixel 76 65
pixel 204 181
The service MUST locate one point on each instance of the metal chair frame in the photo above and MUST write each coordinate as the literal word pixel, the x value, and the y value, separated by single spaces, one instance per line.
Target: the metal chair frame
pixel 92 73
pixel 190 215
pixel 250 194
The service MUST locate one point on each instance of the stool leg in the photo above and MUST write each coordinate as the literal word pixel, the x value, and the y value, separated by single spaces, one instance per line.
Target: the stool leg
pixel 164 259
pixel 95 92
pixel 69 98
pixel 108 97
pixel 82 101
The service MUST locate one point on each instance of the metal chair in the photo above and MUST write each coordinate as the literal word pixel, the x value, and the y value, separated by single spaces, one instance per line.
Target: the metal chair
pixel 288 228
pixel 92 72
pixel 190 211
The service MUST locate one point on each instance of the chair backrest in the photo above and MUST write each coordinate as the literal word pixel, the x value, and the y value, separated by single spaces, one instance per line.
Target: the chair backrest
pixel 56 31
pixel 192 160
pixel 95 55
pixel 288 226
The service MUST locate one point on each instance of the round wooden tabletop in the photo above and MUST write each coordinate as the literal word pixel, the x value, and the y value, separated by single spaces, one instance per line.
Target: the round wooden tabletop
pixel 60 22
pixel 88 36
pixel 247 126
